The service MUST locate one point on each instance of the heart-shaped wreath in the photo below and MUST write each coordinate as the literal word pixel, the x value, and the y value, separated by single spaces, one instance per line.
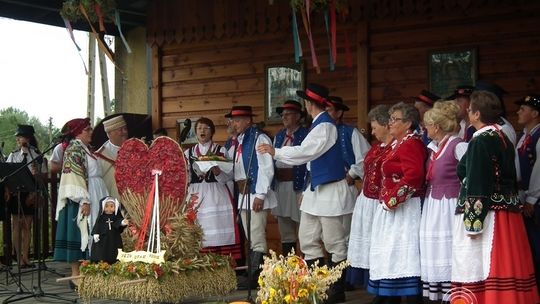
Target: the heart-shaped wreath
pixel 181 235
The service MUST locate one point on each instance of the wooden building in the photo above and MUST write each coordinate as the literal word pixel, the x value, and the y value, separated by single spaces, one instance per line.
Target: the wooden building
pixel 209 55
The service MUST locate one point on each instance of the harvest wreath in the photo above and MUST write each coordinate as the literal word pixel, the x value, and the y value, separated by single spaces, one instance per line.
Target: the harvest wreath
pixel 166 264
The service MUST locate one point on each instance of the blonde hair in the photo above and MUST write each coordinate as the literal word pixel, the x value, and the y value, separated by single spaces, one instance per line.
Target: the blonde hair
pixel 445 115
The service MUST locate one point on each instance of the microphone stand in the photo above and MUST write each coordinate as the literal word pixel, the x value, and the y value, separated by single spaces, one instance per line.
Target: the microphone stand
pixel 248 212
pixel 37 291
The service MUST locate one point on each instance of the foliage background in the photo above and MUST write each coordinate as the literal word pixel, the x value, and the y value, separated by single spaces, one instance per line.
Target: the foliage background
pixel 11 117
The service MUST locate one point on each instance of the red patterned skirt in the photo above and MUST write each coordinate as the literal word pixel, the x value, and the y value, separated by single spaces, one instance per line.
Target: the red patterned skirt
pixel 511 277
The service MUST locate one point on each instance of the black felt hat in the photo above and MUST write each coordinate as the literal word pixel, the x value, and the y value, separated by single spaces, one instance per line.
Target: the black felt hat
pixel 290 105
pixel 427 97
pixel 482 85
pixel 315 93
pixel 461 91
pixel 337 102
pixel 240 111
pixel 24 130
pixel 532 100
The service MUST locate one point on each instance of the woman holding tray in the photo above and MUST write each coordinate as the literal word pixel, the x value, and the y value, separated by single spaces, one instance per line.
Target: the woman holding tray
pixel 216 212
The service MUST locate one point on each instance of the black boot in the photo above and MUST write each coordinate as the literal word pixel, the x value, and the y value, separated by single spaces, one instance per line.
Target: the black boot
pixel 286 248
pixel 256 261
pixel 312 262
pixel 336 293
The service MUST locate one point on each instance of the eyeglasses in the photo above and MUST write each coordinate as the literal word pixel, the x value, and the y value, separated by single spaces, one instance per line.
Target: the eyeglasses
pixel 394 119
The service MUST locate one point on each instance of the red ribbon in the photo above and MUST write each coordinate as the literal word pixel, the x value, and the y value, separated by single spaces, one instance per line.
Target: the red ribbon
pixel 288 138
pixel 146 220
pixel 291 106
pixel 99 14
pixel 525 144
pixel 241 113
pixel 307 27
pixel 316 97
pixel 425 99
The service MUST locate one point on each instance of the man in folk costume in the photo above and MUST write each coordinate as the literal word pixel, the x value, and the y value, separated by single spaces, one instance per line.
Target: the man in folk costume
pixel 424 102
pixel 289 181
pixel 327 199
pixel 528 172
pixel 117 132
pixel 253 174
pixel 462 97
pixel 354 148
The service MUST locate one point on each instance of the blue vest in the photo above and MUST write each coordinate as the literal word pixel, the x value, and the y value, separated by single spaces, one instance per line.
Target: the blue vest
pixel 527 160
pixel 324 169
pixel 248 144
pixel 299 171
pixel 345 142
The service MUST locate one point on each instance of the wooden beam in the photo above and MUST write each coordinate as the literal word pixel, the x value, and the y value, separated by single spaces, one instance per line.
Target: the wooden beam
pixel 91 97
pixel 362 63
pixel 157 108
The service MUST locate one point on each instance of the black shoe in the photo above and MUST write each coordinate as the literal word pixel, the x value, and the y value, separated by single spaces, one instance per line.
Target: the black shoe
pixel 73 286
pixel 243 283
pixel 287 247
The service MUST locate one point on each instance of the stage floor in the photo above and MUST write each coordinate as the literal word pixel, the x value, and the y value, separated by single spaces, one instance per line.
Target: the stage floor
pixel 55 270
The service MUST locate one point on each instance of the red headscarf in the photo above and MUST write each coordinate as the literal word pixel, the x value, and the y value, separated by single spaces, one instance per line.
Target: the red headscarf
pixel 73 128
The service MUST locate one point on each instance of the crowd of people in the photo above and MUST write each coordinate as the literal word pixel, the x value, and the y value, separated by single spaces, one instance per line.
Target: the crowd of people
pixel 443 202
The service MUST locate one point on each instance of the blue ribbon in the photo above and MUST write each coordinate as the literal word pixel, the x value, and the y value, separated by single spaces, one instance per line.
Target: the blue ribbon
pixel 331 60
pixel 296 38
pixel 118 25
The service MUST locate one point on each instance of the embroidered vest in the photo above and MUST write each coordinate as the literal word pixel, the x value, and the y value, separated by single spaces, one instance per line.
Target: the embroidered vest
pixel 444 181
pixel 248 143
pixel 372 170
pixel 299 171
pixel 527 158
pixel 344 138
pixel 323 169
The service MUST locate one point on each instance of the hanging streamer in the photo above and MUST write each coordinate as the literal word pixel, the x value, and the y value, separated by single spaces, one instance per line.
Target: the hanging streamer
pixel 331 61
pixel 99 14
pixel 119 26
pixel 296 38
pixel 100 39
pixel 333 32
pixel 69 28
pixel 305 19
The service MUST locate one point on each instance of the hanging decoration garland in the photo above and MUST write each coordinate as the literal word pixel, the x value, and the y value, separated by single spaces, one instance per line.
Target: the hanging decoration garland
pixel 330 9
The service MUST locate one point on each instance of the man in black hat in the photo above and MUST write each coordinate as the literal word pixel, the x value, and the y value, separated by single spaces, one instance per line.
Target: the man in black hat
pixel 462 96
pixel 253 174
pixel 327 199
pixel 354 148
pixel 528 169
pixel 506 126
pixel 289 181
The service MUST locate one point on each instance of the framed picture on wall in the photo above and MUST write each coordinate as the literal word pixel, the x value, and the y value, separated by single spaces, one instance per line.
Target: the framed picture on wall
pixel 185 128
pixel 281 83
pixel 451 68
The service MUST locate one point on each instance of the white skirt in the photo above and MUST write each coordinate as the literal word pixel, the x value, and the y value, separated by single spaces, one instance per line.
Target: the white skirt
pixel 360 237
pixel 287 204
pixel 471 258
pixel 215 214
pixel 395 246
pixel 436 229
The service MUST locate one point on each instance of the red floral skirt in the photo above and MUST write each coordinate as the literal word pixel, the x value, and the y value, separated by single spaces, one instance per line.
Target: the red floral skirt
pixel 511 277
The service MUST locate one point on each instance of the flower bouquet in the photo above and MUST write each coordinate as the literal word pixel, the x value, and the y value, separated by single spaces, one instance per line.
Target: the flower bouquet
pixel 289 280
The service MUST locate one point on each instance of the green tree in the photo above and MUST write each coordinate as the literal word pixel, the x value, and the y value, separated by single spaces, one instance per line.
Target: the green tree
pixel 10 118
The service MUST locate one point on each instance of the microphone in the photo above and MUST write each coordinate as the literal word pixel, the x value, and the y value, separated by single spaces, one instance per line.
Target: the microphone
pixel 185 131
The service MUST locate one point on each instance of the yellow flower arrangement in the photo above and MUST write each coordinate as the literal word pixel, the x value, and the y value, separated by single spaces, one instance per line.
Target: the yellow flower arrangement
pixel 289 280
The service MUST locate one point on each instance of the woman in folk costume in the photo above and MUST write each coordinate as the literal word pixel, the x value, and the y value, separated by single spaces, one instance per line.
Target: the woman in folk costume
pixel 81 188
pixel 491 258
pixel 436 225
pixel 394 256
pixel 368 200
pixel 216 212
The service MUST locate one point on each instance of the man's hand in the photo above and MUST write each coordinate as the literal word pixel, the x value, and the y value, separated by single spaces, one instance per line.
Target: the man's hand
pixel 266 148
pixel 258 204
pixel 528 209
pixel 216 170
pixel 350 180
